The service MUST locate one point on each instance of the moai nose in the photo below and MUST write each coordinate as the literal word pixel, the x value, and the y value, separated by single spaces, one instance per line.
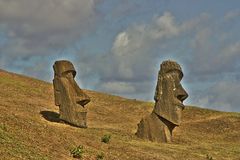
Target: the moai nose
pixel 83 101
pixel 182 94
pixel 82 98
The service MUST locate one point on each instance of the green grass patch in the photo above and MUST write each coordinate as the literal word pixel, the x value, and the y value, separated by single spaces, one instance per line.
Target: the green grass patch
pixel 100 156
pixel 77 152
pixel 106 138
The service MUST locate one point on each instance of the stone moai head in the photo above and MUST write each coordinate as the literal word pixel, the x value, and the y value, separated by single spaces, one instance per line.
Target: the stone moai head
pixel 68 95
pixel 169 95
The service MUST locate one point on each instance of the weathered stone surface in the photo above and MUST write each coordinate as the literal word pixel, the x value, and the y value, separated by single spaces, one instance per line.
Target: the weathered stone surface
pixel 167 112
pixel 68 96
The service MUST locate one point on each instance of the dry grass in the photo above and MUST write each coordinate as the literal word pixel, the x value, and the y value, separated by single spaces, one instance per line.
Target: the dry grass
pixel 30 128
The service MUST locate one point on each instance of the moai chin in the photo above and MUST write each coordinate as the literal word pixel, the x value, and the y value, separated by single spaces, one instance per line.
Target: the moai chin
pixel 167 112
pixel 68 96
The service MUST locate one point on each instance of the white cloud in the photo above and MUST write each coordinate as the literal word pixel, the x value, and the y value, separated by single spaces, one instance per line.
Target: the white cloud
pixel 120 42
pixel 130 68
pixel 166 26
pixel 45 15
pixel 134 59
pixel 232 50
pixel 117 87
pixel 213 60
pixel 196 23
pixel 36 31
pixel 132 48
pixel 42 27
pixel 231 15
pixel 201 37
pixel 220 96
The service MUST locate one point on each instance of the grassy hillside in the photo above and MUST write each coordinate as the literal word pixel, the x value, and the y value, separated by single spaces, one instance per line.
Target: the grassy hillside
pixel 30 128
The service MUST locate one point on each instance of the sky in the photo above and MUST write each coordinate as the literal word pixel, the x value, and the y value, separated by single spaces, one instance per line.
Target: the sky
pixel 117 46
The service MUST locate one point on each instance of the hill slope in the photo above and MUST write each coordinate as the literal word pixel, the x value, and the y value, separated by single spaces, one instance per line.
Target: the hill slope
pixel 30 128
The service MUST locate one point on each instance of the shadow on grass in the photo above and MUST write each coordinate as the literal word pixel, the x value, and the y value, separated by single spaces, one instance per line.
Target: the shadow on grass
pixel 51 116
pixel 55 117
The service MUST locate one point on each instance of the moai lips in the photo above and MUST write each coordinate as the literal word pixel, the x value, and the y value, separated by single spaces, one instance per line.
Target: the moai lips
pixel 68 95
pixel 167 112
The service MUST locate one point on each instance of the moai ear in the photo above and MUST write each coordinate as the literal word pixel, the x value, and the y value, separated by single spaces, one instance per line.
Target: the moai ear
pixel 57 93
pixel 158 90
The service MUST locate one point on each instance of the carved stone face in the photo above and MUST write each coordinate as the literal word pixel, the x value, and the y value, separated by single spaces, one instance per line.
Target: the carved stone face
pixel 77 94
pixel 170 94
pixel 66 86
pixel 68 95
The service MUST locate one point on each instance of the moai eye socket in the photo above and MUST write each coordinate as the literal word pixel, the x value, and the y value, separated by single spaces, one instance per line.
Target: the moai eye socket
pixel 68 75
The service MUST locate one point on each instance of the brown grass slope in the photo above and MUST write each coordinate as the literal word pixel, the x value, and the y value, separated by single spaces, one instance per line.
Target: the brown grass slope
pixel 30 128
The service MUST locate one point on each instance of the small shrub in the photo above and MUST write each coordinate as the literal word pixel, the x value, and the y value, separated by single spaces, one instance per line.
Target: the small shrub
pixel 77 152
pixel 3 127
pixel 209 157
pixel 100 156
pixel 106 138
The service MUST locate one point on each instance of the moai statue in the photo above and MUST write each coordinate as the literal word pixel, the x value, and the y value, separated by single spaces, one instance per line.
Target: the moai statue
pixel 68 96
pixel 167 112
